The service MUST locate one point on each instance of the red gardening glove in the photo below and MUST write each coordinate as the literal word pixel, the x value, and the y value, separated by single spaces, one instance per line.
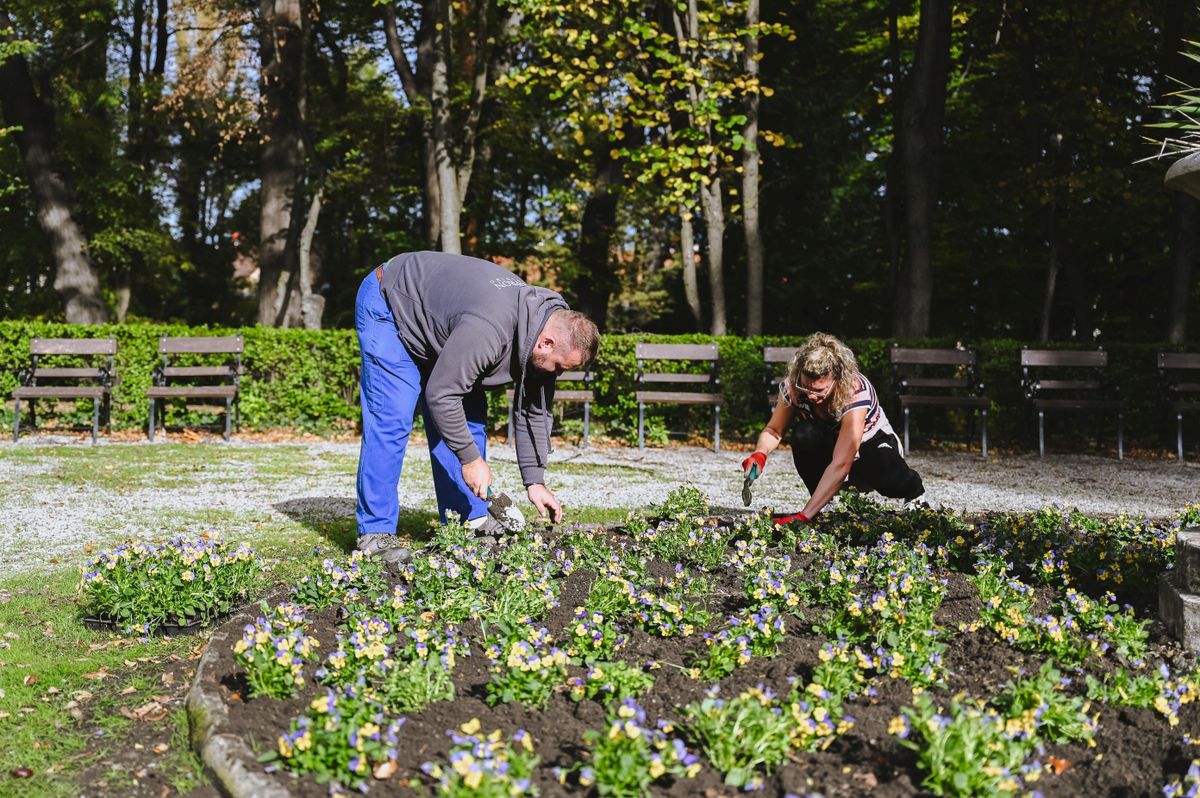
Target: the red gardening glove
pixel 784 520
pixel 755 464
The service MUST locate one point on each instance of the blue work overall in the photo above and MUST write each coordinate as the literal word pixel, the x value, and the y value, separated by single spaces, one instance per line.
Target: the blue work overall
pixel 391 386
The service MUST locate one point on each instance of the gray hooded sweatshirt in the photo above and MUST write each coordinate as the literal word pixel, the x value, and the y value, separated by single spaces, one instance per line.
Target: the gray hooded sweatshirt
pixel 469 323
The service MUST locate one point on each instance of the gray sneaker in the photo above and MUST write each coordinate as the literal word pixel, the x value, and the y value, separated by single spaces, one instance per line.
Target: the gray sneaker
pixel 386 547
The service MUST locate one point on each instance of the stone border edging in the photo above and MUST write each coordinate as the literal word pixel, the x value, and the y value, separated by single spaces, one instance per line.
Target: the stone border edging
pixel 238 771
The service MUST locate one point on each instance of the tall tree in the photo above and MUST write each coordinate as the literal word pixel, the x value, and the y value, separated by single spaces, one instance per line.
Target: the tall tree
pixel 750 161
pixel 457 54
pixel 282 35
pixel 76 278
pixel 924 112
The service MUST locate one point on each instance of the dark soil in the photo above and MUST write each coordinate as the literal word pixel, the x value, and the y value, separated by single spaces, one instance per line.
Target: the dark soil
pixel 1136 751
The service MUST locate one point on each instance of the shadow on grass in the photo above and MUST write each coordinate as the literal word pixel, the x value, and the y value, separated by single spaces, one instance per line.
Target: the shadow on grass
pixel 332 517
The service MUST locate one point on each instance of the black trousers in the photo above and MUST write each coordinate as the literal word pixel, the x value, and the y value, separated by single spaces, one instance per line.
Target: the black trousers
pixel 879 466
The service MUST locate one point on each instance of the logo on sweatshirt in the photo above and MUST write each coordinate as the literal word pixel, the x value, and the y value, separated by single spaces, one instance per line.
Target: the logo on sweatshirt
pixel 507 282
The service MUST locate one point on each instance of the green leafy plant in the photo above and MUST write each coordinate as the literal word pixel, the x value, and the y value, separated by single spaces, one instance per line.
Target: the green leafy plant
pixel 610 681
pixel 525 668
pixel 685 499
pixel 274 650
pixel 742 737
pixel 629 756
pixel 482 766
pixel 341 740
pixel 141 586
pixel 966 753
pixel 1039 708
pixel 330 580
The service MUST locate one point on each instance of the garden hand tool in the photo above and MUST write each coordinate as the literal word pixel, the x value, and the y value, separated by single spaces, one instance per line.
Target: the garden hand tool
pixel 506 513
pixel 752 466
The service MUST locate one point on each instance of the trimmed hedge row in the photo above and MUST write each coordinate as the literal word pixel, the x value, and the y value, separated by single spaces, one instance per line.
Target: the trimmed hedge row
pixel 308 380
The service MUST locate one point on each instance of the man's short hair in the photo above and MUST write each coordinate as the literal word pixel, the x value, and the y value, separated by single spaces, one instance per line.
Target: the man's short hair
pixel 581 331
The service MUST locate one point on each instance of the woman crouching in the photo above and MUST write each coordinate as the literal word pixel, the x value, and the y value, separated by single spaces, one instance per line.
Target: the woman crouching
pixel 840 435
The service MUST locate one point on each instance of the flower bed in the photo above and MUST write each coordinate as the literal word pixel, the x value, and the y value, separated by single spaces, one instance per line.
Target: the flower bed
pixel 874 653
pixel 180 585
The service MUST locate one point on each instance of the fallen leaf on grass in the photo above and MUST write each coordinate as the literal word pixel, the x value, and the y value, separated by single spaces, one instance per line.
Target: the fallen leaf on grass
pixel 190 436
pixel 97 675
pixel 1058 765
pixel 130 663
pixel 129 690
pixel 161 748
pixel 149 711
pixel 384 770
pixel 168 678
pixel 30 680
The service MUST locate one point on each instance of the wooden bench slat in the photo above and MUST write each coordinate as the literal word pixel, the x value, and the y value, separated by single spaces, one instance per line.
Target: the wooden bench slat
pixel 64 372
pixel 1186 387
pixel 198 371
pixel 779 354
pixel 1178 360
pixel 1080 404
pixel 72 346
pixel 677 351
pixel 678 378
pixel 934 382
pixel 946 401
pixel 1184 405
pixel 59 391
pixel 193 391
pixel 1067 385
pixel 679 397
pixel 1064 358
pixel 934 357
pixel 201 345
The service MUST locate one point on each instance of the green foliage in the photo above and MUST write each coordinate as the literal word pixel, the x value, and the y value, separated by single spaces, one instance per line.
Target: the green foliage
pixel 308 380
pixel 629 755
pixel 141 586
pixel 742 736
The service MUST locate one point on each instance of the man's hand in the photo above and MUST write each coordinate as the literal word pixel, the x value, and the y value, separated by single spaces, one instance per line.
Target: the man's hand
pixel 541 498
pixel 754 465
pixel 478 476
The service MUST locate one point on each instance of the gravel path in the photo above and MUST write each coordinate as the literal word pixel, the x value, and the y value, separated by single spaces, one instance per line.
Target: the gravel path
pixel 51 520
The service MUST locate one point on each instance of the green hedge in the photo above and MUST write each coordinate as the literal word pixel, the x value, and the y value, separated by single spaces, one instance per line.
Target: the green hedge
pixel 308 380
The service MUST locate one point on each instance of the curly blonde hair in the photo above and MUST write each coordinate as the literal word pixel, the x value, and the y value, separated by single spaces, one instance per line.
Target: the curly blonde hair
pixel 823 354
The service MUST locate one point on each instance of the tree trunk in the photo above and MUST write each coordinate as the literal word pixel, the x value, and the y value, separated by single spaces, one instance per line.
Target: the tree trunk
pixel 439 101
pixel 1187 209
pixel 312 304
pixel 281 122
pixel 750 220
pixel 415 83
pixel 687 259
pixel 76 278
pixel 595 242
pixel 924 114
pixel 714 230
pixel 892 205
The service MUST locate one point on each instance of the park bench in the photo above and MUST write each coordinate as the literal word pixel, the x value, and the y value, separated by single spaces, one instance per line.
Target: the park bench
pixel 1180 372
pixel 1076 379
pixel 581 393
pixel 925 377
pixel 223 379
pixel 774 357
pixel 92 381
pixel 660 364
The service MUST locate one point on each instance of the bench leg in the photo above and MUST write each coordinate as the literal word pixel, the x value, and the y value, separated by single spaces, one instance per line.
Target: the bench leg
pixel 1120 436
pixel 983 415
pixel 1179 437
pixel 587 407
pixel 716 428
pixel 16 419
pixel 907 448
pixel 150 428
pixel 1042 433
pixel 641 425
pixel 95 420
pixel 237 413
pixel 228 417
pixel 510 423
